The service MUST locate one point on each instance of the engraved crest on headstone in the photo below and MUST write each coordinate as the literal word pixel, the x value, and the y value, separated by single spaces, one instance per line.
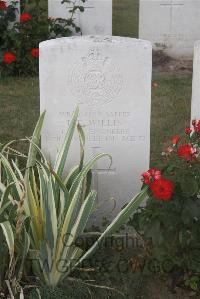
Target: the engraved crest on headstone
pixel 95 80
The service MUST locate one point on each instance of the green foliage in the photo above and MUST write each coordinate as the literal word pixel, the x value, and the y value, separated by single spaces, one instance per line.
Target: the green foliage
pixel 59 208
pixel 51 211
pixel 13 235
pixel 21 37
pixel 172 228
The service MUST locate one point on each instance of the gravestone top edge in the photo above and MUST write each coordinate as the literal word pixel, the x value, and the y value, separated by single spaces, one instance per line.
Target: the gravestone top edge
pixel 96 39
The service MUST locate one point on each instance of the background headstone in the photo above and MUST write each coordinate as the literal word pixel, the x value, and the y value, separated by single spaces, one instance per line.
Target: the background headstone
pixel 110 78
pixel 96 18
pixel 172 25
pixel 195 113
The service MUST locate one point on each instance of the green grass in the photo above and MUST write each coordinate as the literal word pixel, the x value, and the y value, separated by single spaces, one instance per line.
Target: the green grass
pixel 19 102
pixel 171 106
pixel 126 17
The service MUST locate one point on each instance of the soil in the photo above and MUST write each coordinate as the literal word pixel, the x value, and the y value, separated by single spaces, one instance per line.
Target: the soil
pixel 160 289
pixel 165 64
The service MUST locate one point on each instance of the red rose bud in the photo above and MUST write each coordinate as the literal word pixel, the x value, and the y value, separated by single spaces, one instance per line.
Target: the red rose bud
pixel 3 5
pixel 162 189
pixel 146 178
pixel 188 131
pixel 35 52
pixel 9 57
pixel 151 174
pixel 186 151
pixel 175 139
pixel 25 17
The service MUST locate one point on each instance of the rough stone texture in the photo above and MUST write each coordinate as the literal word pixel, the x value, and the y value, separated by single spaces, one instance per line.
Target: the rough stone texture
pixel 172 25
pixel 110 79
pixel 195 113
pixel 96 19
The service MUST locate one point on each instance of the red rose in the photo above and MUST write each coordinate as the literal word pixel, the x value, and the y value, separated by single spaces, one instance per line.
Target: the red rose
pixel 25 17
pixel 9 57
pixel 155 173
pixel 188 131
pixel 146 178
pixel 162 189
pixel 35 52
pixel 151 174
pixel 186 151
pixel 3 5
pixel 175 139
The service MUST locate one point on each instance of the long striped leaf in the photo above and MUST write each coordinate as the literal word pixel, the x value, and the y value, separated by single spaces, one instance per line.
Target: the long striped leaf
pixel 50 216
pixel 25 248
pixel 11 177
pixel 82 175
pixel 120 219
pixel 6 197
pixel 82 145
pixel 84 215
pixel 36 139
pixel 68 181
pixel 62 155
pixel 78 227
pixel 68 221
pixel 9 236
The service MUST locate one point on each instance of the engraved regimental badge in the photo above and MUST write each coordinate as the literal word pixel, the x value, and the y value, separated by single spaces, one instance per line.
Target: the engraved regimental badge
pixel 95 80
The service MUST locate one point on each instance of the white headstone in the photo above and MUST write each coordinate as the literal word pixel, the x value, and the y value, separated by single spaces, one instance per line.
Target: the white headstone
pixel 172 25
pixel 195 113
pixel 96 18
pixel 110 78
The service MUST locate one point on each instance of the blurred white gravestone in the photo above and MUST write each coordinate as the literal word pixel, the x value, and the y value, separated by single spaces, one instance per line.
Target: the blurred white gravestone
pixel 195 113
pixel 96 18
pixel 171 25
pixel 110 79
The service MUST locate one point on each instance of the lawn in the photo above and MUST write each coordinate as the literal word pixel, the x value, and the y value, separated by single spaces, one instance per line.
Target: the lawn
pixel 126 17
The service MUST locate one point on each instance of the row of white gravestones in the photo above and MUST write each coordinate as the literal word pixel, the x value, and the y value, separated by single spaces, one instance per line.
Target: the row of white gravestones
pixel 172 25
pixel 110 79
pixel 96 18
pixel 195 111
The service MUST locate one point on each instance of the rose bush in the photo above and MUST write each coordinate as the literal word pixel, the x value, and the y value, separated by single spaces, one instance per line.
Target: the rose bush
pixel 170 221
pixel 19 41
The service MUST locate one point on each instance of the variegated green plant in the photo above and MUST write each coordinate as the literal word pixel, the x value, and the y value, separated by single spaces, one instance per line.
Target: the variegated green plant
pixel 13 235
pixel 59 207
